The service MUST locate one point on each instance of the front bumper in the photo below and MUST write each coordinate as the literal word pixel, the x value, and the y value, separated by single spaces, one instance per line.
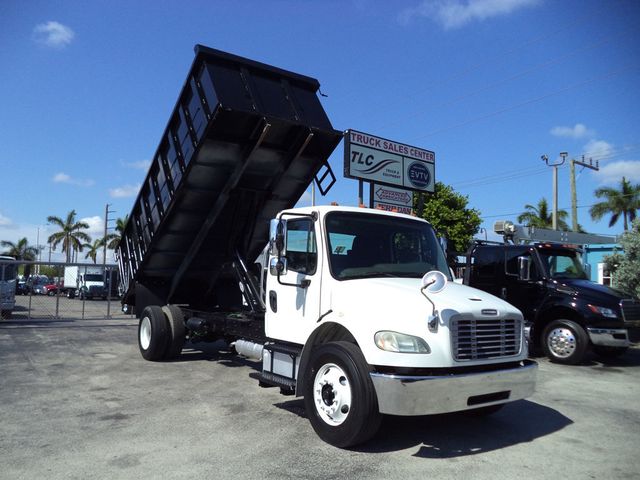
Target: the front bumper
pixel 427 395
pixel 609 337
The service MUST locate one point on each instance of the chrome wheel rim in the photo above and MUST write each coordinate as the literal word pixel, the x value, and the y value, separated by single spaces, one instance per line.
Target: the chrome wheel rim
pixel 561 342
pixel 145 333
pixel 332 394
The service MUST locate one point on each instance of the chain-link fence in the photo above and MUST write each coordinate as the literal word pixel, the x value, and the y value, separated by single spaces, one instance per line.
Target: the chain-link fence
pixel 39 290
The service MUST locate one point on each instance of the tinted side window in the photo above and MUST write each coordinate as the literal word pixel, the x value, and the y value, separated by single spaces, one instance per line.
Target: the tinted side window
pixel 302 253
pixel 511 258
pixel 487 263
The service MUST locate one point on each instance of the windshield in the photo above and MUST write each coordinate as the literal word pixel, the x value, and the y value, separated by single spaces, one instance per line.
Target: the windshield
pixel 93 277
pixel 562 264
pixel 362 245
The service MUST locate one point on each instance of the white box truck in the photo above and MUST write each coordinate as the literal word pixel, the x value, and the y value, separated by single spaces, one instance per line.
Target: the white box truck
pixel 351 308
pixel 84 282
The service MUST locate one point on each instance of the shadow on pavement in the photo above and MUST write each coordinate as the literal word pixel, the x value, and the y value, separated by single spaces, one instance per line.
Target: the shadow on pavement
pixel 458 434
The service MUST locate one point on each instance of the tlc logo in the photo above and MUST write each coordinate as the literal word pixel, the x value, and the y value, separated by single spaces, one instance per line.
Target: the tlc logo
pixel 360 159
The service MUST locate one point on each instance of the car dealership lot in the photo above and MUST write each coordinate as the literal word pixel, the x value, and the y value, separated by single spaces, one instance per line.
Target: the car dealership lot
pixel 77 400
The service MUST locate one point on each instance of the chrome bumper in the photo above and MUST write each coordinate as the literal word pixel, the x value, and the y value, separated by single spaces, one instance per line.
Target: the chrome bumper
pixel 605 337
pixel 405 395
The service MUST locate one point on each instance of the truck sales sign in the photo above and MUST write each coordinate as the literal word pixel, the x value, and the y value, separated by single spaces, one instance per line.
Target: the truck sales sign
pixel 382 161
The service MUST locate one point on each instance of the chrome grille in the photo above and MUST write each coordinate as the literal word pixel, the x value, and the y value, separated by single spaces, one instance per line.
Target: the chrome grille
pixel 485 339
pixel 630 310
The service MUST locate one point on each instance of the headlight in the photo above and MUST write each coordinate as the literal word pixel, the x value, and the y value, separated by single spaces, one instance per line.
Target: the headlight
pixel 400 343
pixel 605 312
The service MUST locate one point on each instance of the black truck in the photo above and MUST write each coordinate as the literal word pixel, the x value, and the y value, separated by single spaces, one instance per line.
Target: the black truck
pixel 566 313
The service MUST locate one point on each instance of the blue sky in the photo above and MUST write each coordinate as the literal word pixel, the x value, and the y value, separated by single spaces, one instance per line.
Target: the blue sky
pixel 488 85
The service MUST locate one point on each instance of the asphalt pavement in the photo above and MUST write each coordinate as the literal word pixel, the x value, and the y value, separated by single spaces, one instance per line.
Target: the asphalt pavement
pixel 78 401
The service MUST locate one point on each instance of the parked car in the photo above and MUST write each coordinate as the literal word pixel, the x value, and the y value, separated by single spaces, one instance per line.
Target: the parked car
pixel 36 284
pixel 51 289
pixel 22 288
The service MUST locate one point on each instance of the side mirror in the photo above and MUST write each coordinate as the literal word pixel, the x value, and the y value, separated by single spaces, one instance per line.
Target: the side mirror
pixel 587 270
pixel 433 282
pixel 277 237
pixel 278 266
pixel 524 269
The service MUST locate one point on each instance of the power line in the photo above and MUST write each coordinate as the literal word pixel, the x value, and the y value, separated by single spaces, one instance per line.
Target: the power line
pixel 565 28
pixel 535 69
pixel 609 74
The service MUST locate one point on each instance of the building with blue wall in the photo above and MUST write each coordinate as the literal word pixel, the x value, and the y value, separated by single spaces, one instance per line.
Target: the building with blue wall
pixel 594 257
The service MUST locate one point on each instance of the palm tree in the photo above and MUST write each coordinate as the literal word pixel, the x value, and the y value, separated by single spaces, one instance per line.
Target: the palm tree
pixel 71 235
pixel 113 239
pixel 623 202
pixel 92 253
pixel 20 250
pixel 539 216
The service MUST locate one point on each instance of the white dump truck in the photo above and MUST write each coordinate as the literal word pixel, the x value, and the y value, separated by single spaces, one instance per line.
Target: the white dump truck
pixel 352 308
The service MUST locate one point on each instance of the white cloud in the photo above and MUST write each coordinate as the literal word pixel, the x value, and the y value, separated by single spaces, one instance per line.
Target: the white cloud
pixel 578 131
pixel 457 13
pixel 612 173
pixel 598 149
pixel 5 221
pixel 139 165
pixel 53 34
pixel 96 226
pixel 62 177
pixel 124 191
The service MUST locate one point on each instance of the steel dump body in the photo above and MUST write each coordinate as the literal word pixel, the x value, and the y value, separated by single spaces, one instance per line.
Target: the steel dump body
pixel 244 141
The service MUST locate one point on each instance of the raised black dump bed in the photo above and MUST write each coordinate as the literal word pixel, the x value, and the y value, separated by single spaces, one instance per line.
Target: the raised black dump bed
pixel 244 141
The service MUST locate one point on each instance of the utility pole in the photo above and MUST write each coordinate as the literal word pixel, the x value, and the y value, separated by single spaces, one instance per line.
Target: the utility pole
pixel 106 222
pixel 555 166
pixel 574 195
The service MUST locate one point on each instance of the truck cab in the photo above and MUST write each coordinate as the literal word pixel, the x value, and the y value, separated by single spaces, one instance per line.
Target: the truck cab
pixel 566 313
pixel 346 287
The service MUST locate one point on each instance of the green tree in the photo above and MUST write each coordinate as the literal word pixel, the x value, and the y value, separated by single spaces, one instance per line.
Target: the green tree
pixel 617 203
pixel 94 249
pixel 20 250
pixel 447 211
pixel 113 239
pixel 70 236
pixel 625 267
pixel 541 217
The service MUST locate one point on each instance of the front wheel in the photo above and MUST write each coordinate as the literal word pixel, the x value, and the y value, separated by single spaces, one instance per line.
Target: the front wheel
pixel 153 333
pixel 564 341
pixel 339 396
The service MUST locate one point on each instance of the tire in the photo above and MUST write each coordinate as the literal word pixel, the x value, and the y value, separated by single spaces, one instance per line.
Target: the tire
pixel 176 329
pixel 5 314
pixel 339 396
pixel 564 341
pixel 51 293
pixel 153 333
pixel 609 352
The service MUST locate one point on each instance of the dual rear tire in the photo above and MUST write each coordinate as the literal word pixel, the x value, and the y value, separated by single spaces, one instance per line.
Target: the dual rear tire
pixel 161 333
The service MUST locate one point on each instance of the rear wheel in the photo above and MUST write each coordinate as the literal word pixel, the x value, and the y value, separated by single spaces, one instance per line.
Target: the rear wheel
pixel 5 314
pixel 339 396
pixel 564 341
pixel 153 333
pixel 176 330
